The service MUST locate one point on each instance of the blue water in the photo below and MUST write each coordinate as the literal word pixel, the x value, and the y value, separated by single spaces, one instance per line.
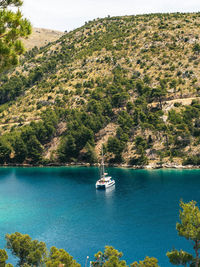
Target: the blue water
pixel 62 207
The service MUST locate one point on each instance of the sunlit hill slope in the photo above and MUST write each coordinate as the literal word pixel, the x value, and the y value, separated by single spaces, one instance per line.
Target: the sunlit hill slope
pixel 129 83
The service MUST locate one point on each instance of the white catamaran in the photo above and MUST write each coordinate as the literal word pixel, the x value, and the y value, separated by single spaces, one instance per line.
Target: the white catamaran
pixel 105 181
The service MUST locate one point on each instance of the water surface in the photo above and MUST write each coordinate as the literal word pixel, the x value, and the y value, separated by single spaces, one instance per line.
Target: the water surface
pixel 62 207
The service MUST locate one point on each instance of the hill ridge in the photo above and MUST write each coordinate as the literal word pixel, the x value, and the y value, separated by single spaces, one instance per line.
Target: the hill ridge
pixel 113 71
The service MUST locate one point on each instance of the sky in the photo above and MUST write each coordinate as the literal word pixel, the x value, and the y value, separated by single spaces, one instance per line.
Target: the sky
pixel 67 15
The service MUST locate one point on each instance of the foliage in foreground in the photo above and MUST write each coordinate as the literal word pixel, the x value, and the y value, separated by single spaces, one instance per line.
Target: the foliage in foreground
pixel 189 227
pixel 34 253
pixel 13 27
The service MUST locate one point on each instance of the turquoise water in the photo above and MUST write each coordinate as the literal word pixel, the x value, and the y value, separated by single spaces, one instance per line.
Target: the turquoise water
pixel 62 207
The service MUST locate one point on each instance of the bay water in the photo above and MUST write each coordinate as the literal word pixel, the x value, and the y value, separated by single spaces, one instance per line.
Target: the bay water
pixel 62 207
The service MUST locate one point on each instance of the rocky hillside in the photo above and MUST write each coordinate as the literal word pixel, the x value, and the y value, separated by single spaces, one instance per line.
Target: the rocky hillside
pixel 41 37
pixel 129 83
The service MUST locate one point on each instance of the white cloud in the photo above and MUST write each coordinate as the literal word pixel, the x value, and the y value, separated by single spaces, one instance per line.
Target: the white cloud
pixel 69 14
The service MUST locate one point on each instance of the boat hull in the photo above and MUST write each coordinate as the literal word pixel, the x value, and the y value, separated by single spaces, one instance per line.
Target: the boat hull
pixel 100 187
pixel 105 185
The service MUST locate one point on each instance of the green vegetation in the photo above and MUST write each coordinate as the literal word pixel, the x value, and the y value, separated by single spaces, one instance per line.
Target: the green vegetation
pixel 188 228
pixel 147 262
pixel 110 257
pixel 179 257
pixel 34 253
pixel 13 26
pixel 27 144
pixel 132 81
pixel 28 251
pixel 3 258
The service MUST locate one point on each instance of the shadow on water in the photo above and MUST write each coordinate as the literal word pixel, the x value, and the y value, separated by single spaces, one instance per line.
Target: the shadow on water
pixel 79 174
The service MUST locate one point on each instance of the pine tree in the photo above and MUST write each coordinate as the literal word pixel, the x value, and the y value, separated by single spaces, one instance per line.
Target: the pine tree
pixel 13 27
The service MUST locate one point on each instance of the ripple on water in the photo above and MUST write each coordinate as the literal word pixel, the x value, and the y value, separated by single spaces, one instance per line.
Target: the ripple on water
pixel 62 207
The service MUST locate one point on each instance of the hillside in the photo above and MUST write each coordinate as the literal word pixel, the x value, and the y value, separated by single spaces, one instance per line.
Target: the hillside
pixel 41 37
pixel 130 83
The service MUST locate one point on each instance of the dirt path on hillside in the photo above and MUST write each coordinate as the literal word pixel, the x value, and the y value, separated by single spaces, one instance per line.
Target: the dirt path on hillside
pixel 169 104
pixel 17 123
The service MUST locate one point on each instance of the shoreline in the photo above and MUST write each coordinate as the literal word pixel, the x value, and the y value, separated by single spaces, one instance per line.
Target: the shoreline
pixel 126 166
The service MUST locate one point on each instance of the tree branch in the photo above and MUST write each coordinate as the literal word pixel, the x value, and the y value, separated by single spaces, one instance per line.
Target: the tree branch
pixel 6 3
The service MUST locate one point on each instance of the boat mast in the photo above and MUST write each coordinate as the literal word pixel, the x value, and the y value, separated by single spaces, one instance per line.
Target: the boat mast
pixel 102 162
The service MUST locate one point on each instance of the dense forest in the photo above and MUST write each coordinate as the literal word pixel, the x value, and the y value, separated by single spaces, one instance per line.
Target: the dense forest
pixel 128 83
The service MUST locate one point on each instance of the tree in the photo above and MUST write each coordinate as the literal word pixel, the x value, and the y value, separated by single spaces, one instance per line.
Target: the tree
pixel 140 87
pixel 13 27
pixel 125 121
pixel 31 252
pixel 129 107
pixel 82 136
pixel 109 258
pixel 159 94
pixel 6 3
pixel 20 150
pixel 67 150
pixel 5 151
pixel 59 257
pixel 147 262
pixel 116 147
pixel 89 154
pixel 196 48
pixel 119 99
pixel 188 228
pixel 140 141
pixel 179 257
pixel 34 253
pixel 141 145
pixel 34 149
pixel 3 257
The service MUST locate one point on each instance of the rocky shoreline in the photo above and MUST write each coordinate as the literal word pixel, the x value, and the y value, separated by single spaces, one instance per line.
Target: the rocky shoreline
pixel 147 167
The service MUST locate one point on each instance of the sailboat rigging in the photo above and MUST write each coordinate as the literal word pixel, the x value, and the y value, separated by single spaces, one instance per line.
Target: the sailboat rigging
pixel 105 181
